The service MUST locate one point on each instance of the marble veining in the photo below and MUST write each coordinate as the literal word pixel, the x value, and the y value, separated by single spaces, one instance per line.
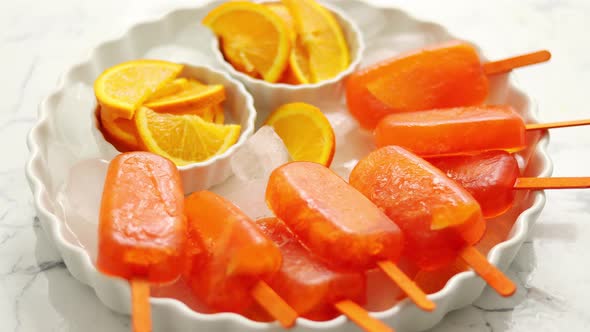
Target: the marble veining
pixel 41 39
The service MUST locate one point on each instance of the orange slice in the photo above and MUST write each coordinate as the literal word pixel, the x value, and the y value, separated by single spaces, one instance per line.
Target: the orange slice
pixel 219 117
pixel 297 71
pixel 184 139
pixel 121 131
pixel 306 132
pixel 299 64
pixel 192 95
pixel 283 12
pixel 124 87
pixel 169 89
pixel 321 39
pixel 207 113
pixel 254 39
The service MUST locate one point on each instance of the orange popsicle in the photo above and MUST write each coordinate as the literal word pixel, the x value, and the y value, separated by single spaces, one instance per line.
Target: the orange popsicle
pixel 331 218
pixel 237 258
pixel 492 177
pixel 307 284
pixel 489 177
pixel 446 75
pixel 142 228
pixel 452 131
pixel 440 219
pixel 314 290
pixel 337 223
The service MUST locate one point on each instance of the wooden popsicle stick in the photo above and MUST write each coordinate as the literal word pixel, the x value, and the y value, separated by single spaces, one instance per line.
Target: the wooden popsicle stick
pixel 552 183
pixel 141 316
pixel 494 277
pixel 274 304
pixel 407 285
pixel 361 317
pixel 562 124
pixel 506 65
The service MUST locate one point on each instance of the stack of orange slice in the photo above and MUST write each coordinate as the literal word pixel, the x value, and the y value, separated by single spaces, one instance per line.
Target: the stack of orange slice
pixel 143 105
pixel 292 41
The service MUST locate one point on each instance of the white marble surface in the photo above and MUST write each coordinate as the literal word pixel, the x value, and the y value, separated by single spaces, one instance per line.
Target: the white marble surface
pixel 39 39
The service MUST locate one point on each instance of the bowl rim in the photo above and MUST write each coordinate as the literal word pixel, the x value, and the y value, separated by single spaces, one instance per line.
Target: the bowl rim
pixel 356 58
pixel 245 132
pixel 52 224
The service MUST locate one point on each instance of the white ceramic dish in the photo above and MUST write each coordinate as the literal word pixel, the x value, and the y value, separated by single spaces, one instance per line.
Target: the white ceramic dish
pixel 269 96
pixel 62 139
pixel 239 108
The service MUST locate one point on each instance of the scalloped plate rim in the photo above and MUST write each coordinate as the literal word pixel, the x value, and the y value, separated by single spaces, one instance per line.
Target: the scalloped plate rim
pixel 52 224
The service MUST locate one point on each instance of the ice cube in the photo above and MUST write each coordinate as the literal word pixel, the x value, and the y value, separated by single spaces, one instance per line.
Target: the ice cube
pixel 260 155
pixel 342 123
pixel 252 165
pixel 82 191
pixel 352 142
pixel 79 203
pixel 247 195
pixel 73 120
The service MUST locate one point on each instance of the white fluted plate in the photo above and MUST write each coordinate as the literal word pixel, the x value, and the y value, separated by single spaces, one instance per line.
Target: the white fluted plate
pixel 61 144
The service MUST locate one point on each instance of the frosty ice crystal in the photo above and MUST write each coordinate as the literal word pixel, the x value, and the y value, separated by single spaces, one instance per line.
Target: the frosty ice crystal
pixel 252 165
pixel 261 154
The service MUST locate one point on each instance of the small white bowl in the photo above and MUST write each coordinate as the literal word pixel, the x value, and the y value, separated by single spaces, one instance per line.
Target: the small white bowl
pixel 239 108
pixel 269 96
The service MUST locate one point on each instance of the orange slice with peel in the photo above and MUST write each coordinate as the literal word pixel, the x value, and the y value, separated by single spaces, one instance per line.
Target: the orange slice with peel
pixel 121 131
pixel 206 113
pixel 169 89
pixel 283 12
pixel 191 95
pixel 209 115
pixel 321 39
pixel 184 139
pixel 297 71
pixel 219 117
pixel 306 132
pixel 124 87
pixel 254 39
pixel 299 64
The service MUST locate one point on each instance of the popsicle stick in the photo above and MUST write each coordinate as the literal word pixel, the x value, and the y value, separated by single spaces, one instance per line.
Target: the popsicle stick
pixel 407 285
pixel 494 277
pixel 274 304
pixel 506 65
pixel 552 183
pixel 141 316
pixel 563 124
pixel 361 317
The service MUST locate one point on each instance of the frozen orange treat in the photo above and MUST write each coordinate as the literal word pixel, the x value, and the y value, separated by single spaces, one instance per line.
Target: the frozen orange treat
pixel 453 131
pixel 489 177
pixel 440 76
pixel 307 284
pixel 338 224
pixel 437 216
pixel 237 254
pixel 446 75
pixel 142 229
pixel 331 218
